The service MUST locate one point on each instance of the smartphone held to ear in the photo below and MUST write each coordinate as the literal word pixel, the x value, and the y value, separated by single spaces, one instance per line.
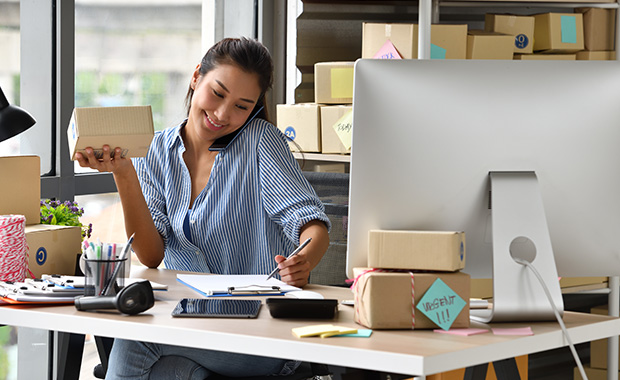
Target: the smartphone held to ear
pixel 224 141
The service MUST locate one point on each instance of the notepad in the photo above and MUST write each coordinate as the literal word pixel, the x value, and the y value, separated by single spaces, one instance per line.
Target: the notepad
pixel 324 331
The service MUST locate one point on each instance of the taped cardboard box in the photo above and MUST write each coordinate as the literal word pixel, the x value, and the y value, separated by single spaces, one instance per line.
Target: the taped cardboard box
pixel 558 32
pixel 599 28
pixel 489 45
pixel 383 299
pixel 333 82
pixel 129 128
pixel 447 41
pixel 587 55
pixel 330 142
pixel 53 249
pixel 592 373
pixel 546 57
pixel 520 27
pixel 301 124
pixel 420 250
pixel 23 196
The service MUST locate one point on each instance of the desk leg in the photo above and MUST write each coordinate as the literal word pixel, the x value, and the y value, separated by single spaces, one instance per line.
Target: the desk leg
pixel 68 351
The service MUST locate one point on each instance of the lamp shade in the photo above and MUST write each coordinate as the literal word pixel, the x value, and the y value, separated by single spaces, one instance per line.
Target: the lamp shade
pixel 13 120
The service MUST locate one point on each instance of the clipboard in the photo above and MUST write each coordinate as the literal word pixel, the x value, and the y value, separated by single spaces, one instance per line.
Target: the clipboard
pixel 211 285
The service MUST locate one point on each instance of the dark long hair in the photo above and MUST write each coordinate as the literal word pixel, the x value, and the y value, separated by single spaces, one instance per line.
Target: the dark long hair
pixel 250 56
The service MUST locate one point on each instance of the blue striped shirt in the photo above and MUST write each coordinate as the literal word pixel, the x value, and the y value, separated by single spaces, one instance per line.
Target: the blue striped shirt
pixel 252 208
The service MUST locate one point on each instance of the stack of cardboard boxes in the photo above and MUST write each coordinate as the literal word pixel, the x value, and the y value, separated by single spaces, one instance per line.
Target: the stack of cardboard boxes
pixel 52 249
pixel 598 354
pixel 323 126
pixel 414 281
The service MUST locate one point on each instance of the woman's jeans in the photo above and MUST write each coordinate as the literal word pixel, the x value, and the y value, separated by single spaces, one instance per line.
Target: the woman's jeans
pixel 143 361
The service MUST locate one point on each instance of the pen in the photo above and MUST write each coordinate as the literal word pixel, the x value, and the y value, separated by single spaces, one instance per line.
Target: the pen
pixel 273 272
pixel 121 263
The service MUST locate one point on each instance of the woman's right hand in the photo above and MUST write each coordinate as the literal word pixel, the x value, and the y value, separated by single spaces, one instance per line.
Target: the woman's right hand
pixel 104 164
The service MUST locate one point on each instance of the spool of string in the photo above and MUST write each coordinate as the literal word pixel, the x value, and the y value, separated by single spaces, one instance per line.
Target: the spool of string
pixel 13 248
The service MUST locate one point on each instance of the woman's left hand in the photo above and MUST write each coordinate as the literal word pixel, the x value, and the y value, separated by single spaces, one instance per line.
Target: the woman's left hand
pixel 295 270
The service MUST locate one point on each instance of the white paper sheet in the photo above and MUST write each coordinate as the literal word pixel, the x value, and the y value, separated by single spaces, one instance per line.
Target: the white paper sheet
pixel 212 285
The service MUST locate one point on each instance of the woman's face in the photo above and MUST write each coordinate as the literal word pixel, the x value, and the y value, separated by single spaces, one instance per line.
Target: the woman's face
pixel 223 100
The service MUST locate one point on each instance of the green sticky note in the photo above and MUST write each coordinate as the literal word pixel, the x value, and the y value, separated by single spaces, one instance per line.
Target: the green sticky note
pixel 437 52
pixel 361 333
pixel 342 82
pixel 568 25
pixel 441 304
pixel 344 129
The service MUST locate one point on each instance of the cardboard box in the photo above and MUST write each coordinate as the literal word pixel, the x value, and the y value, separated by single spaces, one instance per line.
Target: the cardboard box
pixel 384 299
pixel 598 348
pixel 447 41
pixel 419 250
pixel 587 55
pixel 520 27
pixel 53 249
pixel 23 196
pixel 333 82
pixel 459 374
pixel 546 57
pixel 301 124
pixel 489 45
pixel 330 142
pixel 599 28
pixel 592 373
pixel 130 128
pixel 338 167
pixel 558 32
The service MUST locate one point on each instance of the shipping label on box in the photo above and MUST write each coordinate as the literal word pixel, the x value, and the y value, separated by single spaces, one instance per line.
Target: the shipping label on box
pixel 419 250
pixel 558 32
pixel 331 142
pixel 447 41
pixel 410 300
pixel 23 196
pixel 129 128
pixel 520 27
pixel 333 82
pixel 599 28
pixel 489 45
pixel 301 124
pixel 53 249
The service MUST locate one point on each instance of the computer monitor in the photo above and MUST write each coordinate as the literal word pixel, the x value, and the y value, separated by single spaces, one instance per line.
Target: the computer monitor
pixel 428 133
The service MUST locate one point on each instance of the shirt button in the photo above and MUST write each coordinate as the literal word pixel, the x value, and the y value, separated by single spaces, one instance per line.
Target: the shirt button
pixel 198 252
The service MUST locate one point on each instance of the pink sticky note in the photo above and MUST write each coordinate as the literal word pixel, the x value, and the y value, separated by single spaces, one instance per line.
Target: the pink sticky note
pixel 462 332
pixel 516 331
pixel 387 51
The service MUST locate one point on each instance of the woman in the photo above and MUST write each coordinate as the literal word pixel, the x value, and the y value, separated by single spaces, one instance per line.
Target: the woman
pixel 226 212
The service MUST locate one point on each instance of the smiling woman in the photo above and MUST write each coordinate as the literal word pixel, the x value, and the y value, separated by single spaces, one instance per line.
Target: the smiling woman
pixel 235 210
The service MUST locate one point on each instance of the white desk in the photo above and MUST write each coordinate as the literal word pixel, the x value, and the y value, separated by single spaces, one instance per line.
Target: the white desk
pixel 419 352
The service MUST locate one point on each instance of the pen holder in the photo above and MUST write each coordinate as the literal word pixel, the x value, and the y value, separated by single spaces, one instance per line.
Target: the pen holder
pixel 103 274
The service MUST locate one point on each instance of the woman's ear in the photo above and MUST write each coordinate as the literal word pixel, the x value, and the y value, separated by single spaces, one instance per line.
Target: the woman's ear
pixel 195 77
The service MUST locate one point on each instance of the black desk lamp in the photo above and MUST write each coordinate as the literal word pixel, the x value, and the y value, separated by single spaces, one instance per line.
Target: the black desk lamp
pixel 13 120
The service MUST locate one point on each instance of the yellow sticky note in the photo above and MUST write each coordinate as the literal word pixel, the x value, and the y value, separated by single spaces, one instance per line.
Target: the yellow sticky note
pixel 344 129
pixel 323 331
pixel 341 330
pixel 342 82
pixel 314 330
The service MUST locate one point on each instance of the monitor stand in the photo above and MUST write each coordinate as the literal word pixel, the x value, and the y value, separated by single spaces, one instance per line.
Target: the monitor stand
pixel 520 230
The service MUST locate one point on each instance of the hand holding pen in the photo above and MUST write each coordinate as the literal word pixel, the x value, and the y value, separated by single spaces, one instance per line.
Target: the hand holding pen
pixel 277 270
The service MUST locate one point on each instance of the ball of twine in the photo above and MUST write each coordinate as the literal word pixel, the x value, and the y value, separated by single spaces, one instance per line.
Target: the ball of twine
pixel 13 248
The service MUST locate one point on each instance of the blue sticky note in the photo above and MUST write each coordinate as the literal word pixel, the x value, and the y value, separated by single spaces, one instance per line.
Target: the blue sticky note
pixel 441 304
pixel 568 25
pixel 361 333
pixel 437 52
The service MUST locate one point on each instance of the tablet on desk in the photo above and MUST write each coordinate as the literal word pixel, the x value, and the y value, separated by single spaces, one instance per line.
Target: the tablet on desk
pixel 216 308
